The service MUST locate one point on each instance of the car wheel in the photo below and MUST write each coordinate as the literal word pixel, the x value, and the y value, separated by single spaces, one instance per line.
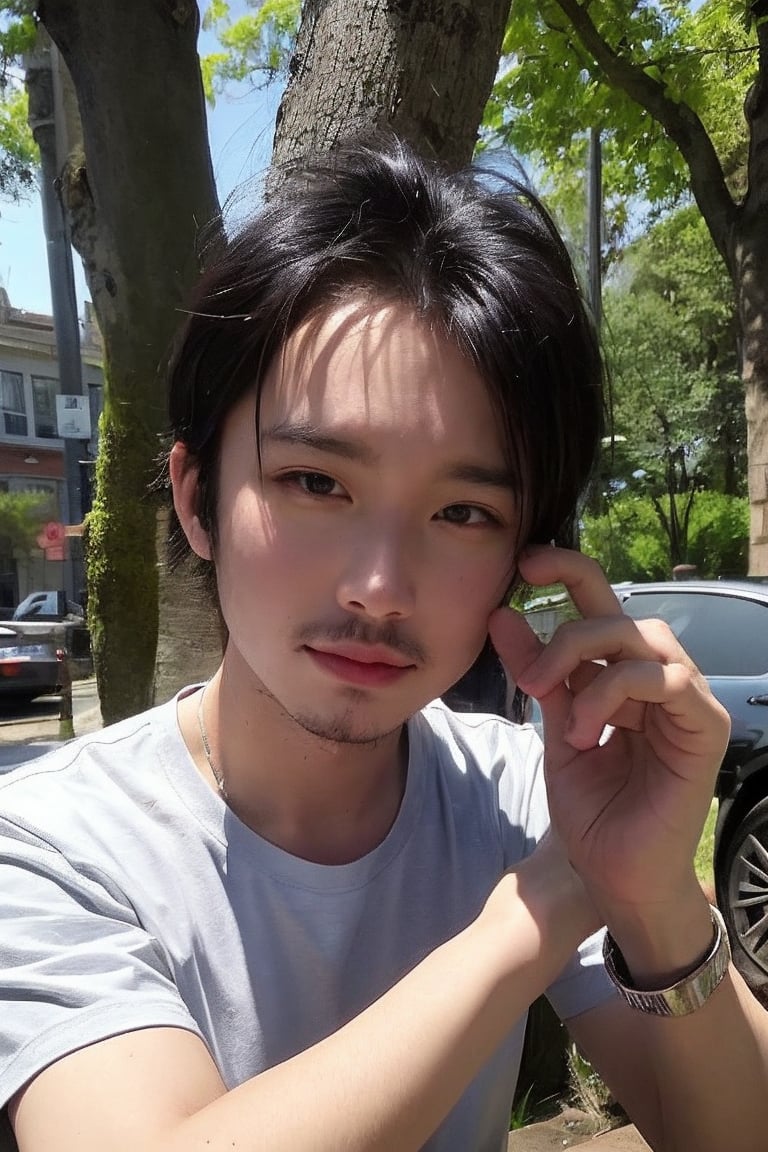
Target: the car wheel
pixel 743 892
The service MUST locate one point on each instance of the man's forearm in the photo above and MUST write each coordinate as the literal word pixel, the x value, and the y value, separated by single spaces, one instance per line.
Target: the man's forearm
pixel 707 1070
pixel 711 1071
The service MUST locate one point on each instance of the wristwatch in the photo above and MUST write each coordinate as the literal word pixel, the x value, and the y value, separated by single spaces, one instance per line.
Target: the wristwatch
pixel 689 992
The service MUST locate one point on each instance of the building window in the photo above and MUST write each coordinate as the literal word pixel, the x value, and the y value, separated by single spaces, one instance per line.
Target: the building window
pixel 49 492
pixel 12 404
pixel 44 393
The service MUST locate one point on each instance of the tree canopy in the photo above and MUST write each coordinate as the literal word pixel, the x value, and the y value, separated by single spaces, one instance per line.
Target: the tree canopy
pixel 257 44
pixel 18 152
pixel 568 67
pixel 677 408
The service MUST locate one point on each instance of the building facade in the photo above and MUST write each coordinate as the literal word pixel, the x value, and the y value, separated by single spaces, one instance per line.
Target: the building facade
pixel 32 453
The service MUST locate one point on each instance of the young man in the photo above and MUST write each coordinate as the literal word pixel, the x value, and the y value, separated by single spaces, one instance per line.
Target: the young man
pixel 301 906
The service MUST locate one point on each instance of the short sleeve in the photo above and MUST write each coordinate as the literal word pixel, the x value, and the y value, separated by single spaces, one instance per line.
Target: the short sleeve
pixel 584 982
pixel 76 966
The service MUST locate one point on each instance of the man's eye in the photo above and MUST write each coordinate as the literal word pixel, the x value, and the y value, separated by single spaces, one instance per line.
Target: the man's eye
pixel 466 514
pixel 315 483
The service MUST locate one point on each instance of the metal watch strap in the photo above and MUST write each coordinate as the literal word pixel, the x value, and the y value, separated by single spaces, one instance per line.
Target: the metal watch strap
pixel 688 993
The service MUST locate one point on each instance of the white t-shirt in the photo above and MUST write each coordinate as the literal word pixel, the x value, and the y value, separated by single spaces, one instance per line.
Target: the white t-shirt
pixel 132 897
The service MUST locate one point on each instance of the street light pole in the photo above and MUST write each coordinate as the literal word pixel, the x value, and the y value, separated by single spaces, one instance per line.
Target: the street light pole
pixel 595 224
pixel 41 85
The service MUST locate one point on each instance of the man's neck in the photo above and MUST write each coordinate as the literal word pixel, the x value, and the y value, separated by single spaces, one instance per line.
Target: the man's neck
pixel 318 799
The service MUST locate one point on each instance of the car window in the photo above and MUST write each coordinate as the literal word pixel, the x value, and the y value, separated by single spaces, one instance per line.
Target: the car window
pixel 724 635
pixel 41 606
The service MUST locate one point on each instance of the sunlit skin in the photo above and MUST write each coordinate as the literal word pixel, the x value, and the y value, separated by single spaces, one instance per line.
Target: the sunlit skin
pixel 357 570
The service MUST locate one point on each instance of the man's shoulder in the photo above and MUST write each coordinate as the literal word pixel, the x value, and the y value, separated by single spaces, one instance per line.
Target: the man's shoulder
pixel 481 734
pixel 94 773
pixel 478 739
pixel 484 769
pixel 116 738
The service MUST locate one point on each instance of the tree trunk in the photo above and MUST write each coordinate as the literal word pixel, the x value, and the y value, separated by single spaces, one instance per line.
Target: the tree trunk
pixel 138 198
pixel 190 642
pixel 751 274
pixel 423 67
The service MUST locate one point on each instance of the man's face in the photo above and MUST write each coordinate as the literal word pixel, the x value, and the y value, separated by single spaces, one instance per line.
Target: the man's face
pixel 358 567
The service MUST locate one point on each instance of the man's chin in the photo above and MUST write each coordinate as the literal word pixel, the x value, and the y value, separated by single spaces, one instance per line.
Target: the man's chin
pixel 349 727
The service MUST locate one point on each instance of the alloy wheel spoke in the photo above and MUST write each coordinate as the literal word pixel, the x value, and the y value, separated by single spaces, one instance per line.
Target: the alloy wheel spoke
pixel 751 901
pixel 761 852
pixel 756 930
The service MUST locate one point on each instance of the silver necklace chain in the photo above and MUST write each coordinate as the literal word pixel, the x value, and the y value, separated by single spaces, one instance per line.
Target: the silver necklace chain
pixel 217 775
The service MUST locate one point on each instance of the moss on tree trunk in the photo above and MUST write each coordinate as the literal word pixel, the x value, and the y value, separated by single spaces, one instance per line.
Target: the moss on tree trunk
pixel 122 571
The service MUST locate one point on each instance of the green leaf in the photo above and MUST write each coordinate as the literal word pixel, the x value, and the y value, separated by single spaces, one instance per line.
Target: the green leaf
pixel 258 42
pixel 217 12
pixel 22 515
pixel 19 155
pixel 550 91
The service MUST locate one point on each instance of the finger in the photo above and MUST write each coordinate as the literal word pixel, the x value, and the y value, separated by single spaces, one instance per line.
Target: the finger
pixel 582 576
pixel 608 640
pixel 518 646
pixel 621 693
pixel 629 715
pixel 516 643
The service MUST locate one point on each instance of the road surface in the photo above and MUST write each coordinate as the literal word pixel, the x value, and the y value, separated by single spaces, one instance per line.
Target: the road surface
pixel 28 729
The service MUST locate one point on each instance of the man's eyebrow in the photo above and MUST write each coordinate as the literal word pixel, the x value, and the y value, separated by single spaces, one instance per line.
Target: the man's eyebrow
pixel 309 437
pixel 485 474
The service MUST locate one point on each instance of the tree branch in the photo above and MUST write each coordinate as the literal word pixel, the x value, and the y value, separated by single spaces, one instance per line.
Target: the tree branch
pixel 678 120
pixel 756 112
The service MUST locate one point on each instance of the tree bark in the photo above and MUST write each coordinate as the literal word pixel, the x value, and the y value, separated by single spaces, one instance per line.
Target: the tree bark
pixel 751 265
pixel 750 261
pixel 139 197
pixel 423 67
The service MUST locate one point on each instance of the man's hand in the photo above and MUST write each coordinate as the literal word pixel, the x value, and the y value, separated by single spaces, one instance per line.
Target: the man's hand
pixel 633 736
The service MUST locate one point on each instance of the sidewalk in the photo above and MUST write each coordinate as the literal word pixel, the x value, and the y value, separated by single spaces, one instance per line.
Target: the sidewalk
pixel 32 730
pixel 570 1130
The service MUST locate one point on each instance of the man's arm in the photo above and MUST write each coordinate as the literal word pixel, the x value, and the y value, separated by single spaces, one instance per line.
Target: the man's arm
pixel 691 1082
pixel 383 1082
pixel 633 739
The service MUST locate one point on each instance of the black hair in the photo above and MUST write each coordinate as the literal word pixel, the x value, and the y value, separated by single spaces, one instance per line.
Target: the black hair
pixel 473 253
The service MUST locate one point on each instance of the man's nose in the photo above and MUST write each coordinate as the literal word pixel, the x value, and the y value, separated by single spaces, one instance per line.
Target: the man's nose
pixel 378 580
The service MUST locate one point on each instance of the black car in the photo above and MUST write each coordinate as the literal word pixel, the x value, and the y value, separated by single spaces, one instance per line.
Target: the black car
pixel 29 666
pixel 47 606
pixel 51 621
pixel 723 625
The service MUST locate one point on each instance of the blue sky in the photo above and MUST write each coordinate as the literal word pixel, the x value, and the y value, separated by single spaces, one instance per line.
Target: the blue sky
pixel 240 129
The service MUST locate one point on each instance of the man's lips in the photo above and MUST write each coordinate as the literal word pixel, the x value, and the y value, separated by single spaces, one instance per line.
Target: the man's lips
pixel 362 664
pixel 364 653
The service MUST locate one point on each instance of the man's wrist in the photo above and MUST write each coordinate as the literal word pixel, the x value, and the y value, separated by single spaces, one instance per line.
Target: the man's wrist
pixel 688 993
pixel 662 942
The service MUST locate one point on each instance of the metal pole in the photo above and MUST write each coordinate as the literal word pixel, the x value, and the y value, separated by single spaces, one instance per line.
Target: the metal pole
pixel 595 224
pixel 66 722
pixel 43 113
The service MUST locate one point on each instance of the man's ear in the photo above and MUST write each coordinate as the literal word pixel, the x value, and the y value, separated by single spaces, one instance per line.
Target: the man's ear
pixel 183 471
